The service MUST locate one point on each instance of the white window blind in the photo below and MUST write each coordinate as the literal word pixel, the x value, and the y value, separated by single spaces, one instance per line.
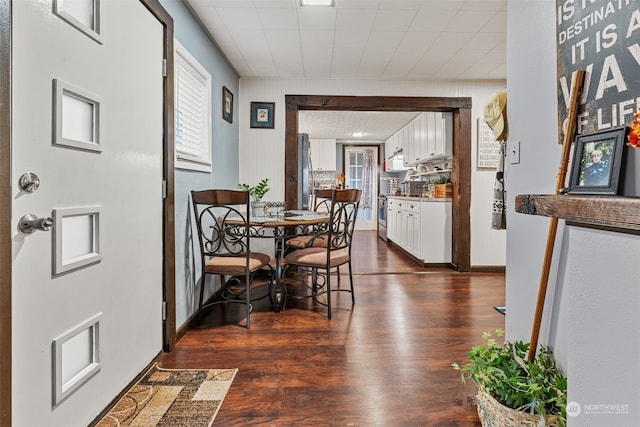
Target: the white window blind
pixel 193 112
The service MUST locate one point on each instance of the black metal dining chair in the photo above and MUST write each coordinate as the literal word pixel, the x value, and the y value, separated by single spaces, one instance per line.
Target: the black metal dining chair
pixel 339 236
pixel 321 203
pixel 222 221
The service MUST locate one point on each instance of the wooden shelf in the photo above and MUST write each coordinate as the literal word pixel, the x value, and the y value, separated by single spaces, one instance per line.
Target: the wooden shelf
pixel 606 212
pixel 438 172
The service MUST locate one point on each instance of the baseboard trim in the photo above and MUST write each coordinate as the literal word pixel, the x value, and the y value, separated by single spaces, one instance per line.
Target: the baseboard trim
pixel 488 269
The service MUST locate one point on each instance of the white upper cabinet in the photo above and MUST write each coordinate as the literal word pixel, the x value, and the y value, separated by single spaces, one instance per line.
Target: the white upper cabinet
pixel 427 137
pixel 323 154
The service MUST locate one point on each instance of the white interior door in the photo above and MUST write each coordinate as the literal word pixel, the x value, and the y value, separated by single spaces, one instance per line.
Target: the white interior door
pixel 87 119
pixel 361 172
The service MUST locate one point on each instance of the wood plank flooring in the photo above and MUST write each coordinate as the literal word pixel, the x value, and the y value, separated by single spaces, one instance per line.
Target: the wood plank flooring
pixel 383 362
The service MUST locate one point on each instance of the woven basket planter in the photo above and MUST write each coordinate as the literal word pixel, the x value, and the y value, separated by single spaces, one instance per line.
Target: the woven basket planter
pixel 494 414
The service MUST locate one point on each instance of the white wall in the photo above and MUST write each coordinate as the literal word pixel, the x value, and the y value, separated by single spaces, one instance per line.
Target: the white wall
pixel 262 150
pixel 591 313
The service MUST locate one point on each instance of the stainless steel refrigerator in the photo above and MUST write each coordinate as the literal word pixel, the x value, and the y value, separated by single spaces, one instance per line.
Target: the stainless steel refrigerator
pixel 305 172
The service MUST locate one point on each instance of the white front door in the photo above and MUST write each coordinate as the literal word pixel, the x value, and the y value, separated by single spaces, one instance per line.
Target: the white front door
pixel 361 172
pixel 87 120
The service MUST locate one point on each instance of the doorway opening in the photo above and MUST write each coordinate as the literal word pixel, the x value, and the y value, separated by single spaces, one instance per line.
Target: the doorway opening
pixel 461 176
pixel 361 172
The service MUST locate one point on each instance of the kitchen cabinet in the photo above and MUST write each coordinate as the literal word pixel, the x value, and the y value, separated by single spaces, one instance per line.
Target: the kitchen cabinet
pixel 428 137
pixel 422 227
pixel 323 154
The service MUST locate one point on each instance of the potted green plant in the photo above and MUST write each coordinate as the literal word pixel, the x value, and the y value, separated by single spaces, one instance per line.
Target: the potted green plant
pixel 442 186
pixel 257 192
pixel 513 391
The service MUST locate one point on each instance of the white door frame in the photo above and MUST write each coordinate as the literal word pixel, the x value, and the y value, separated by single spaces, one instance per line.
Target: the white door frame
pixel 374 205
pixel 6 228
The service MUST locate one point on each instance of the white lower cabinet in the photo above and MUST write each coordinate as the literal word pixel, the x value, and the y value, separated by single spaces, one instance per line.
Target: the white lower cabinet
pixel 422 228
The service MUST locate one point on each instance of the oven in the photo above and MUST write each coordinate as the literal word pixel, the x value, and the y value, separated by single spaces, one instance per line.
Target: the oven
pixel 382 217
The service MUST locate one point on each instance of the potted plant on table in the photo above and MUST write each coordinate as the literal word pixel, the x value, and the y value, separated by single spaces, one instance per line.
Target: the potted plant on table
pixel 513 391
pixel 257 192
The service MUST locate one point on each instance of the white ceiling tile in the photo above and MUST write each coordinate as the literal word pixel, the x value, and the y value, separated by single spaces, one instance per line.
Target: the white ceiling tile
pixel 357 4
pixel 497 24
pixel 393 20
pixel 232 3
pixel 432 21
pixel 352 39
pixel 317 18
pixel 434 5
pixel 471 22
pixel 276 4
pixel 239 18
pixel 484 5
pixel 355 19
pixel 384 40
pixel 486 41
pixel 283 41
pixel 418 40
pixel 452 41
pixel 468 55
pixel 278 19
pixel 401 4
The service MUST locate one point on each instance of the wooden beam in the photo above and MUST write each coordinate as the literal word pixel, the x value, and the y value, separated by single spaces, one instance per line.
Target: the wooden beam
pixel 622 213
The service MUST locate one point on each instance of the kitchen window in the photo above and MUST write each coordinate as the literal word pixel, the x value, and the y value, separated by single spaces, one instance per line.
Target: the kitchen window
pixel 193 112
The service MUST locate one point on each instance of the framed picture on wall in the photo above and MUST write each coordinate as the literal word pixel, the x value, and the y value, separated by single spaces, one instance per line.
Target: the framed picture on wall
pixel 597 159
pixel 227 104
pixel 262 114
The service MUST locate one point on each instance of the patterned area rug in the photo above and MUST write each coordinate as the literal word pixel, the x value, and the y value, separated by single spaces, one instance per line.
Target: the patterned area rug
pixel 175 398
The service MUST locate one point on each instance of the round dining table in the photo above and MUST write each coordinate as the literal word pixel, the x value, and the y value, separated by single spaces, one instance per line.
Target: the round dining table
pixel 289 224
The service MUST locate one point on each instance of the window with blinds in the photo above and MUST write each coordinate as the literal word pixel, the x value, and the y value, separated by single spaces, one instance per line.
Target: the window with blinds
pixel 193 112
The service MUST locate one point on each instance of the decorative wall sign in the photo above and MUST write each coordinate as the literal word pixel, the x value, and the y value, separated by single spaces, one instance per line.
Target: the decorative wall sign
pixel 488 148
pixel 227 104
pixel 262 114
pixel 602 38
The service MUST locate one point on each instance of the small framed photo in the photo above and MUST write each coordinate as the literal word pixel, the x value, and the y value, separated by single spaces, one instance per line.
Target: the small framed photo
pixel 262 114
pixel 227 104
pixel 597 160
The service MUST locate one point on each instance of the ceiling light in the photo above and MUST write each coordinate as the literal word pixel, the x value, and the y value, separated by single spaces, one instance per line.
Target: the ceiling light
pixel 317 2
pixel 358 134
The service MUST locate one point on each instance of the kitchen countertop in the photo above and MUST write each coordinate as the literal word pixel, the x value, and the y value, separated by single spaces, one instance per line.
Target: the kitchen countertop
pixel 421 199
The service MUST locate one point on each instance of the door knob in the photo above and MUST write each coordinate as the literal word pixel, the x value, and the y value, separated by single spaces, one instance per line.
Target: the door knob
pixel 30 223
pixel 29 182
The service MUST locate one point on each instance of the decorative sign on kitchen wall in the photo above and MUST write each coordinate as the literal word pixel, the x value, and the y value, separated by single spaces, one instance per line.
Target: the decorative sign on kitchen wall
pixel 602 38
pixel 488 147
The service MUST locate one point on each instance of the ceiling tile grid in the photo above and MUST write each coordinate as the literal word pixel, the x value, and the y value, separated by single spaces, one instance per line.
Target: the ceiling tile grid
pixel 372 39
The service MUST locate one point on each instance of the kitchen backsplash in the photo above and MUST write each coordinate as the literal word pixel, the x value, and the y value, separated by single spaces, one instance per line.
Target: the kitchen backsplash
pixel 324 179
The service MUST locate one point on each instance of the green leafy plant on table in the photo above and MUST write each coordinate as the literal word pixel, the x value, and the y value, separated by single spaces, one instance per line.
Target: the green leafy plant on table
pixel 503 372
pixel 258 191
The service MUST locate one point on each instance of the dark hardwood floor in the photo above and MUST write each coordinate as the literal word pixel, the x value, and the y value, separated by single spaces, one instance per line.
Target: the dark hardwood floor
pixel 386 361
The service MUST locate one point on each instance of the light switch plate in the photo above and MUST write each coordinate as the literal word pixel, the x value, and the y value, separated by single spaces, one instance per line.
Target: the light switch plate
pixel 514 152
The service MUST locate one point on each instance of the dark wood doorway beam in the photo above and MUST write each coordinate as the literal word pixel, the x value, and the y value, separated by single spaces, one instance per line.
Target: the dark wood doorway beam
pixel 461 109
